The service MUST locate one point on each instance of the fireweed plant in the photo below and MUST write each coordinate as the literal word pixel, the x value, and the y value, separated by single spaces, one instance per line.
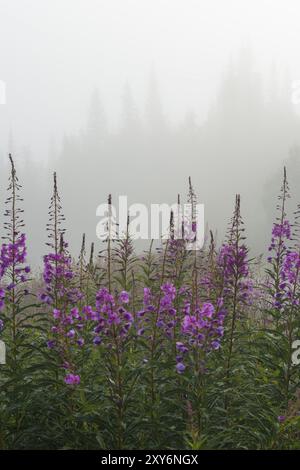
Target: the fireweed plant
pixel 172 348
pixel 282 296
pixel 17 307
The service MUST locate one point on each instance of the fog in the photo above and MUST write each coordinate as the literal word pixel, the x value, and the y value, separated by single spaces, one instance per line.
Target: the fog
pixel 130 97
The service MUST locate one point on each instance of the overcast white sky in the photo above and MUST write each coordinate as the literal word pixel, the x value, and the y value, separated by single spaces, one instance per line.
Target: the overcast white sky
pixel 54 52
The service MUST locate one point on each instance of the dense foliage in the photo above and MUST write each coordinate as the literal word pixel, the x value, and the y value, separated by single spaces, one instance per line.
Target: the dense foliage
pixel 172 349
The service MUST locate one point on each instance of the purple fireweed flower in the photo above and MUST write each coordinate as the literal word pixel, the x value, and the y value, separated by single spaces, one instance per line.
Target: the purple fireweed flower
pixel 286 265
pixel 12 259
pixel 187 307
pixel 207 310
pixel 58 276
pixel 169 290
pixel 72 379
pixel 281 418
pixel 147 296
pixel 1 325
pixel 111 316
pixel 281 233
pixel 282 230
pixel 181 347
pixel 233 266
pixel 75 313
pixel 56 313
pixel 128 317
pixel 89 313
pixel 13 254
pixel 232 259
pixel 180 367
pixel 104 297
pixel 124 297
pixel 97 340
pixel 289 275
pixel 71 334
pixel 203 329
pixel 161 307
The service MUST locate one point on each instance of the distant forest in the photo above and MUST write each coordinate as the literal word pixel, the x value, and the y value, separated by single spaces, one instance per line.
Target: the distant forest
pixel 251 131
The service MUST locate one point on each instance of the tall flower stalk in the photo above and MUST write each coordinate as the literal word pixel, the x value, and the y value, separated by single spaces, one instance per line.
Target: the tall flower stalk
pixel 13 256
pixel 113 323
pixel 281 234
pixel 283 280
pixel 237 287
pixel 55 229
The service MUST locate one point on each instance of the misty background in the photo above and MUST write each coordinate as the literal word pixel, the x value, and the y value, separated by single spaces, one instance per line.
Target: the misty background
pixel 130 97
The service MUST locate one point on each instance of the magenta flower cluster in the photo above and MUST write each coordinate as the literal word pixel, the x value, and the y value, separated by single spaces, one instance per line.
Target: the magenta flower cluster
pixel 203 330
pixel 281 233
pixel 159 307
pixel 71 325
pixel 68 321
pixel 57 276
pixel 288 262
pixel 234 266
pixel 68 325
pixel 111 316
pixel 72 379
pixel 169 312
pixel 288 280
pixel 13 255
pixel 281 230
